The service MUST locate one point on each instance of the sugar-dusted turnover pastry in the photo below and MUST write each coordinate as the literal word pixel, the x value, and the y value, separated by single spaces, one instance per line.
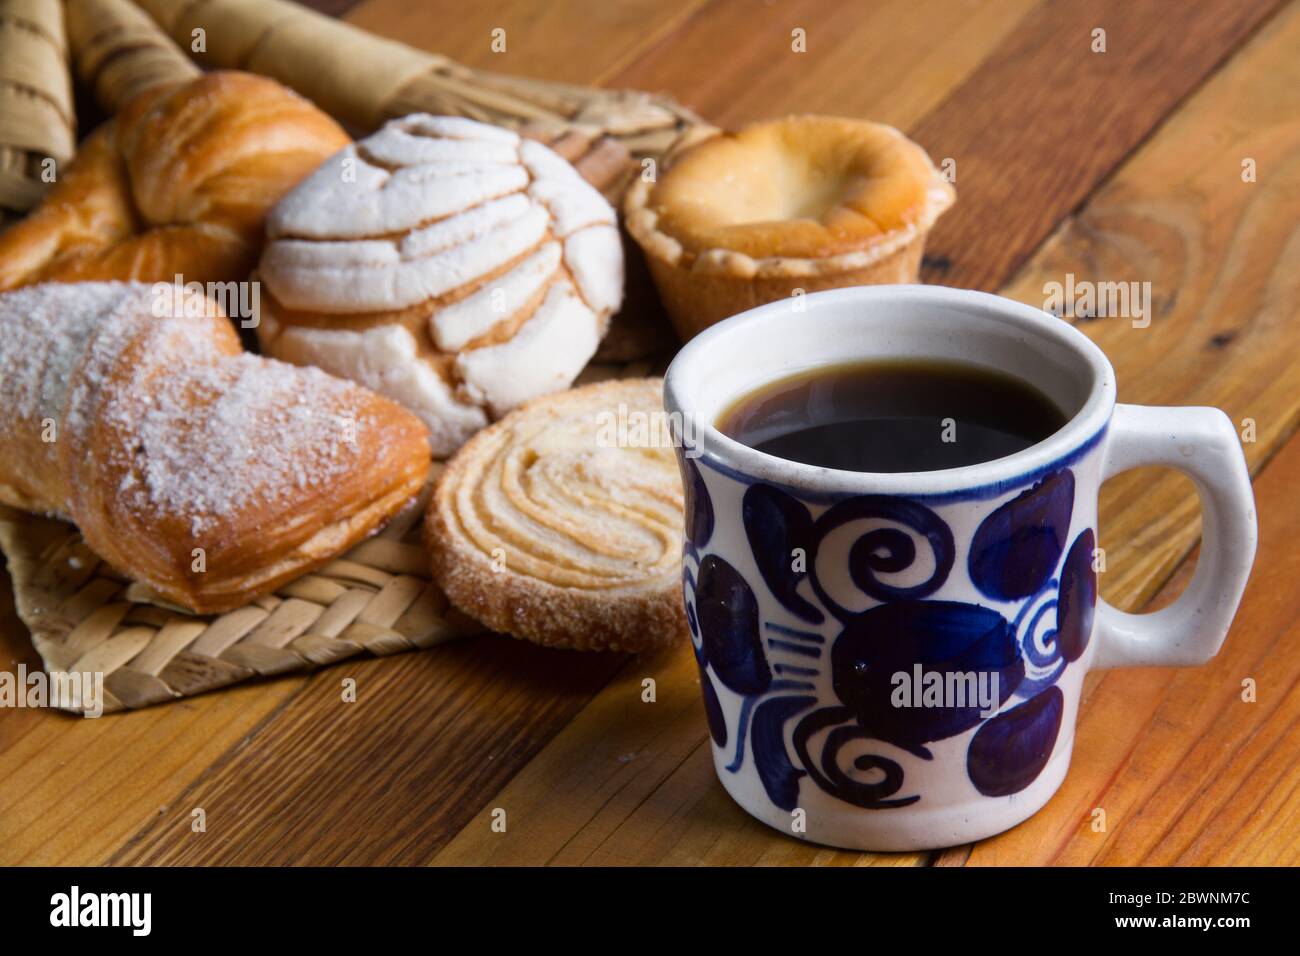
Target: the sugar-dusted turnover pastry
pixel 210 474
pixel 803 203
pixel 448 264
pixel 549 527
pixel 178 183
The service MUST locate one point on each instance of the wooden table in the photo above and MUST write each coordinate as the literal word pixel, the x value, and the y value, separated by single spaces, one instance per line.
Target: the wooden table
pixel 1119 165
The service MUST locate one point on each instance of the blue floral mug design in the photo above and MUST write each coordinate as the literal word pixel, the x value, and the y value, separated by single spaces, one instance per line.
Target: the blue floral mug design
pixel 894 661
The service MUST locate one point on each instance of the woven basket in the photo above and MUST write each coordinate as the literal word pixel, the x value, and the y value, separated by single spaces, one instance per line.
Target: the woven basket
pixel 379 78
pixel 85 618
pixel 36 117
pixel 378 598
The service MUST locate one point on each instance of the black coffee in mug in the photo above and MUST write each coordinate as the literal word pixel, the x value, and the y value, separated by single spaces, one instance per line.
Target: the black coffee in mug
pixel 892 415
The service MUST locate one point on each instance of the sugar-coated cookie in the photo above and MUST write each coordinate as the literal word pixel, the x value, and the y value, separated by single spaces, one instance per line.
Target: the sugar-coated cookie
pixel 561 525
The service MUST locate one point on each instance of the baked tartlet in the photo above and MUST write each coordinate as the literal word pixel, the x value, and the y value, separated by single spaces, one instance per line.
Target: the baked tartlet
pixel 803 203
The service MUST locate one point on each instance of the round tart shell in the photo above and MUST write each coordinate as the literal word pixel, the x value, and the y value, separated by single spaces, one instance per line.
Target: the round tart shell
pixel 870 230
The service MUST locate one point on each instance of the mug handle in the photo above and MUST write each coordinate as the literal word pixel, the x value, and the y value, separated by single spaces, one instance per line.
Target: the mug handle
pixel 1201 443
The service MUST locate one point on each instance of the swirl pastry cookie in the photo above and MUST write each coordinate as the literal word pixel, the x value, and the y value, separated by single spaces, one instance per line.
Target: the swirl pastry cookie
pixel 547 527
pixel 450 265
pixel 802 203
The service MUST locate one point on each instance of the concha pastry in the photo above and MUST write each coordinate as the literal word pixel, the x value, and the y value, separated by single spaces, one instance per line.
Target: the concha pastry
pixel 803 203
pixel 451 265
pixel 559 526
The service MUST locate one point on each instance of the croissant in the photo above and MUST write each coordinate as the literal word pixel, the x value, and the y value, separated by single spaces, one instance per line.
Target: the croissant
pixel 178 183
pixel 210 474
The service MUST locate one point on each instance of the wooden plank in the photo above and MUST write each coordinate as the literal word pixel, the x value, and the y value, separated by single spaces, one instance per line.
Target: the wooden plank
pixel 734 61
pixel 1044 119
pixel 73 790
pixel 380 779
pixel 569 41
pixel 1185 770
pixel 639 789
pixel 261 792
pixel 1223 262
pixel 658 804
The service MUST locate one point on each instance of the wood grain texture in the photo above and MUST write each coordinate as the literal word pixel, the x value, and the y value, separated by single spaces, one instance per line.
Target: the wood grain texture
pixel 73 790
pixel 380 779
pixel 638 788
pixel 644 818
pixel 1045 119
pixel 1222 257
pixel 287 772
pixel 1185 770
pixel 890 60
pixel 569 41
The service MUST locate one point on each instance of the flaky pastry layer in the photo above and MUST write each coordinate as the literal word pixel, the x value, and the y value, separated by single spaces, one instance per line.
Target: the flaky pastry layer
pixel 210 474
pixel 178 183
pixel 558 526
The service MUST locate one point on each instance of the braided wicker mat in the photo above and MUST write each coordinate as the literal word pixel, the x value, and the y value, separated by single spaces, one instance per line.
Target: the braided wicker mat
pixel 36 116
pixel 86 618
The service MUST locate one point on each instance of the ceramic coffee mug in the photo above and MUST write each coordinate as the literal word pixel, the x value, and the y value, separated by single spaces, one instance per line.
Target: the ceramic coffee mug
pixel 826 606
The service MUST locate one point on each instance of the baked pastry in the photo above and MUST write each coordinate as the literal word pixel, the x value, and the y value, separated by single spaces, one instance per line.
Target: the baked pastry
pixel 448 264
pixel 547 527
pixel 804 203
pixel 177 184
pixel 208 473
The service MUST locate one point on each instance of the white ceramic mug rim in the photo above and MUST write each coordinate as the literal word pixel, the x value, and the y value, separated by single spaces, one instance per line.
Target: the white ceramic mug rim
pixel 722 339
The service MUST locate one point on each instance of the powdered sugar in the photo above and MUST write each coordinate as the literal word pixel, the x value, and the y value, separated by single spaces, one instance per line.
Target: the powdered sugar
pixel 44 331
pixel 198 429
pixel 385 359
pixel 242 433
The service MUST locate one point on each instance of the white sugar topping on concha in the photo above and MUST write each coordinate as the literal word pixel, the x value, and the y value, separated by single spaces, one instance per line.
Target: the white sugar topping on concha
pixel 451 265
